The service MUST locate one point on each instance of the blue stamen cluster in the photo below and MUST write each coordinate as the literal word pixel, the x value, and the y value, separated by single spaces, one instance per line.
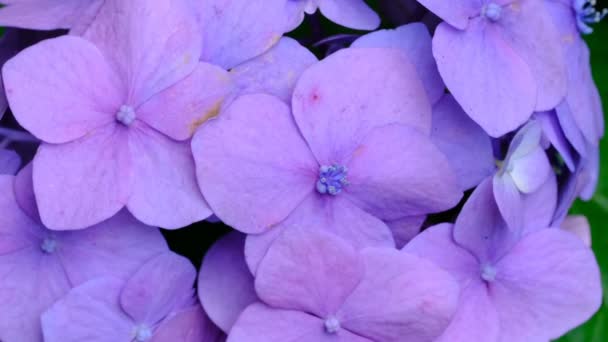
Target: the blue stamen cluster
pixel 332 179
pixel 587 15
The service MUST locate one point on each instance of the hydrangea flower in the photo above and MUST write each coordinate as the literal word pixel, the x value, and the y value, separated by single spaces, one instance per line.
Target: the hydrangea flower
pixel 123 140
pixel 586 14
pixel 580 114
pixel 155 304
pixel 354 156
pixel 525 169
pixel 10 162
pixel 487 49
pixel 313 286
pixel 39 266
pixel 225 284
pixel 355 14
pixel 523 284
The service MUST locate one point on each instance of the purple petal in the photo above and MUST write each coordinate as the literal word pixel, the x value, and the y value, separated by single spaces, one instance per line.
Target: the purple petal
pixel 529 30
pixel 89 312
pixel 463 142
pixel 538 290
pixel 397 171
pixel 338 216
pixel 415 40
pixel 579 226
pixel 238 30
pixel 225 285
pixel 508 199
pixel 74 108
pixel 275 72
pixel 338 101
pixel 24 192
pixel 164 189
pixel 46 14
pixel 355 14
pixel 9 162
pixel 93 175
pixel 180 109
pixel 190 325
pixel 162 286
pixel 388 306
pixel 152 45
pixel 492 70
pixel 308 270
pixel 252 165
pixel 553 132
pixel 405 229
pixel 260 323
pixel 456 13
pixel 480 227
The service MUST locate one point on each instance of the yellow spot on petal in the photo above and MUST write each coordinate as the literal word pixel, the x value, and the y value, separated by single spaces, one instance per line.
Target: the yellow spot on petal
pixel 210 114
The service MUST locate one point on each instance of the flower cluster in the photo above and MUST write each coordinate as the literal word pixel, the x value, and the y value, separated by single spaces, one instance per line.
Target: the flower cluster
pixel 405 184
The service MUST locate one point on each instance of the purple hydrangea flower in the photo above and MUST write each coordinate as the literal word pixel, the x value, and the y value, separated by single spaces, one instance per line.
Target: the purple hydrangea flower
pixel 121 141
pixel 524 171
pixel 487 49
pixel 313 286
pixel 225 284
pixel 49 14
pixel 155 304
pixel 355 14
pixel 580 114
pixel 359 152
pixel 525 284
pixel 587 15
pixel 39 266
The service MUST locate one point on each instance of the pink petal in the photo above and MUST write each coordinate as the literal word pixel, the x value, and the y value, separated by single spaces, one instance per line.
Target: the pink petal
pixel 238 30
pixel 162 286
pixel 338 101
pixel 415 41
pixel 89 312
pixel 308 271
pixel 538 290
pixel 84 182
pixel 164 188
pixel 152 44
pixel 225 285
pixel 401 298
pixel 75 107
pixel 490 78
pixel 355 14
pixel 252 165
pixel 180 109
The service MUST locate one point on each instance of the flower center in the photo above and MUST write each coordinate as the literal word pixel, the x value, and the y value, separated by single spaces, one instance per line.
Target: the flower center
pixel 586 14
pixel 126 115
pixel 332 179
pixel 48 245
pixel 492 11
pixel 142 333
pixel 332 325
pixel 488 273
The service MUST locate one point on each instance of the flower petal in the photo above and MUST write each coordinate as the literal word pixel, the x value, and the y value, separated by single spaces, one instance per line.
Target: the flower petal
pixel 338 101
pixel 84 182
pixel 225 284
pixel 190 325
pixel 397 171
pixel 355 14
pixel 75 107
pixel 252 165
pixel 164 187
pixel 492 76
